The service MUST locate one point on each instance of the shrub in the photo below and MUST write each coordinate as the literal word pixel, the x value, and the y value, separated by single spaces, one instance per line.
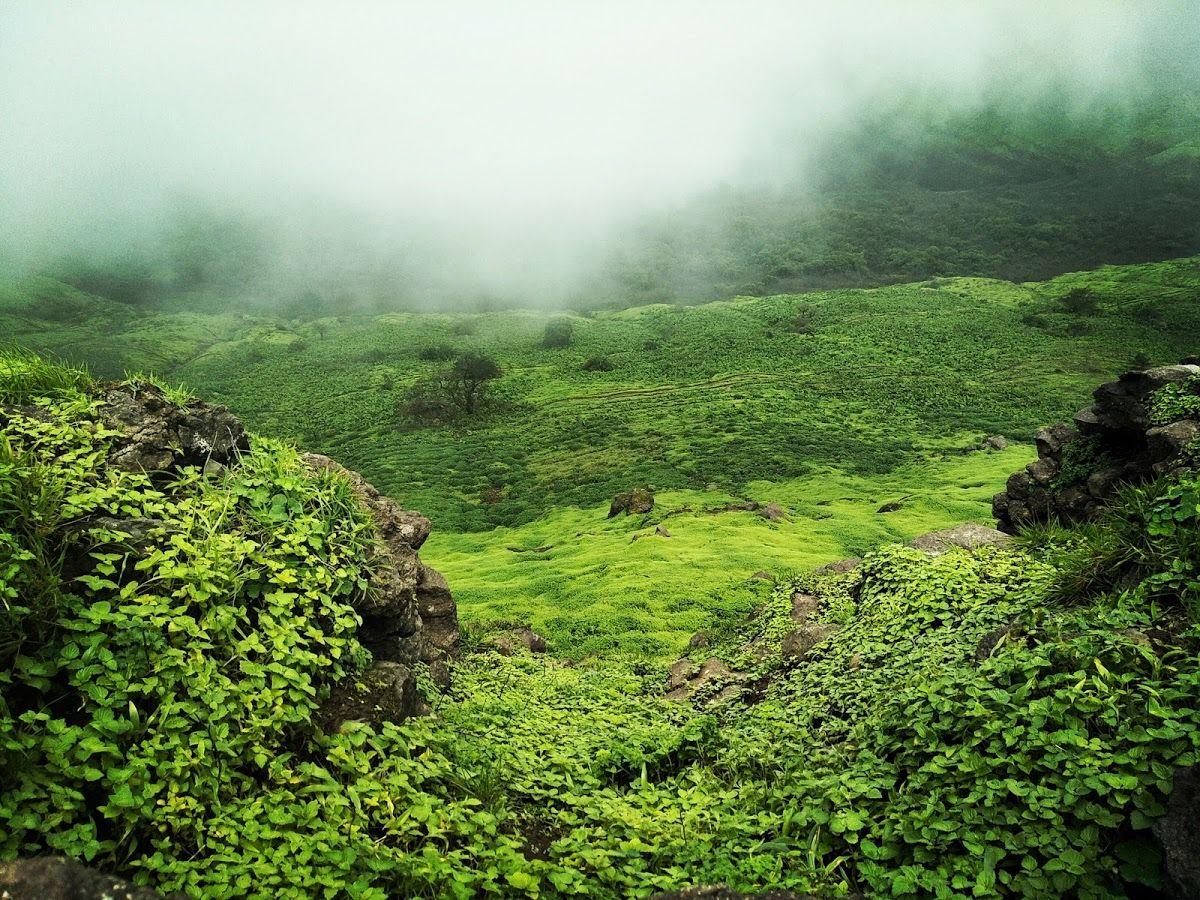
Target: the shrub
pixel 597 364
pixel 438 353
pixel 558 334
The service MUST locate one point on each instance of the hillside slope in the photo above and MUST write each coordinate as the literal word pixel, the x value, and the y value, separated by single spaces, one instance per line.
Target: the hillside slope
pixel 984 720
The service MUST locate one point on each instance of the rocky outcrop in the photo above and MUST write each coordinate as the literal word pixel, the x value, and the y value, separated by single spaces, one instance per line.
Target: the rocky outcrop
pixel 1178 837
pixel 408 614
pixel 158 435
pixel 635 502
pixel 1114 441
pixel 386 692
pixel 59 878
pixel 967 536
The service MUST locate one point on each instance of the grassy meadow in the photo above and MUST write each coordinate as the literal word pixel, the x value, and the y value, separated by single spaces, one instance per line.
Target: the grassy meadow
pixel 826 403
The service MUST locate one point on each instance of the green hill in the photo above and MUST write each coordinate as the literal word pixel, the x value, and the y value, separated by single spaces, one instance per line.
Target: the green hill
pixel 999 721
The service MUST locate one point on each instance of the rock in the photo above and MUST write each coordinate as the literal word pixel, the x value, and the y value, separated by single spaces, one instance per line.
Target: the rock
pixel 967 536
pixel 662 531
pixel 1178 836
pixel 59 878
pixel 439 615
pixel 533 641
pixel 386 692
pixel 804 607
pixel 158 435
pixel 799 641
pixel 1122 446
pixel 685 678
pixel 772 512
pixel 698 640
pixel 507 644
pixel 408 613
pixel 680 673
pixel 841 567
pixel 1050 441
pixel 1165 443
pixel 995 442
pixel 1087 421
pixel 634 502
pixel 1043 470
pixel 855 662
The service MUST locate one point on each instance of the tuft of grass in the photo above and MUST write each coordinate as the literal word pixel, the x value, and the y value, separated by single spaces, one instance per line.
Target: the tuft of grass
pixel 26 376
pixel 175 394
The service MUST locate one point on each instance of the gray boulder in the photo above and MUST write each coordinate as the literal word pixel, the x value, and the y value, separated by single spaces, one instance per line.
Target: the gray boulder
pixel 967 536
pixel 59 878
pixel 157 435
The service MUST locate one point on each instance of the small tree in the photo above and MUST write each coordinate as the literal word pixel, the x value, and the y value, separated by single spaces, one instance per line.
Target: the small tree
pixel 1079 302
pixel 468 380
pixel 558 334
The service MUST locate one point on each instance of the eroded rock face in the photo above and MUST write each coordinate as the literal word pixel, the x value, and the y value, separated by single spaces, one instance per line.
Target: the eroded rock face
pixel 59 878
pixel 409 614
pixel 1178 835
pixel 1110 443
pixel 386 692
pixel 158 435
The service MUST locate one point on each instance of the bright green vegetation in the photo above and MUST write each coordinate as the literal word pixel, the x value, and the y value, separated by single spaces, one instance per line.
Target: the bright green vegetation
pixel 847 398
pixel 726 393
pixel 614 587
pixel 157 713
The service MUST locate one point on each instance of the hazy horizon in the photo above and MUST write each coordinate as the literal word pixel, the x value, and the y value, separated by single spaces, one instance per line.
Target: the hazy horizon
pixel 485 149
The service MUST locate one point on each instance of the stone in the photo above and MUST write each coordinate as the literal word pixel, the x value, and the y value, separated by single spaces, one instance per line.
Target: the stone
pixel 804 607
pixel 772 512
pixel 408 613
pixel 968 536
pixel 698 641
pixel 1178 836
pixel 841 567
pixel 995 442
pixel 524 637
pixel 634 502
pixel 685 678
pixel 59 878
pixel 662 531
pixel 1050 441
pixel 1043 470
pixel 1127 449
pixel 386 692
pixel 158 435
pixel 798 642
pixel 1165 443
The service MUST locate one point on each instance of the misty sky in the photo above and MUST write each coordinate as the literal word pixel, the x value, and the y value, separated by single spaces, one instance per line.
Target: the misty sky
pixel 519 133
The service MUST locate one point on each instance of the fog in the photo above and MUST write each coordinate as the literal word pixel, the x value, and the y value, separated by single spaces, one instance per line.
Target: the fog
pixel 485 147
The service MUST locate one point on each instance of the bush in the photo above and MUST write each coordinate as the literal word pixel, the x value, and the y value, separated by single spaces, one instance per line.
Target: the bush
pixel 558 334
pixel 1079 302
pixel 438 353
pixel 597 364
